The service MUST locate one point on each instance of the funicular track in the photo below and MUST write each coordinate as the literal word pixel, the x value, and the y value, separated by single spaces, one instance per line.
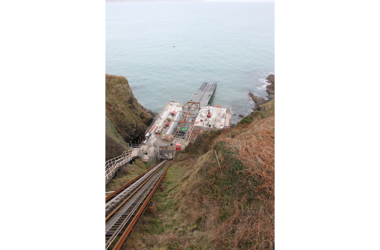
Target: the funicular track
pixel 128 203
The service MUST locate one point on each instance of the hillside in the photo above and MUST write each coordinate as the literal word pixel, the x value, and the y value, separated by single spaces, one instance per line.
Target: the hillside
pixel 205 205
pixel 126 119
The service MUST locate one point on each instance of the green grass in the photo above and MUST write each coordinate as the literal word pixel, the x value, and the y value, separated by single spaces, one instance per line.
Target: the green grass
pixel 122 179
pixel 266 110
pixel 168 221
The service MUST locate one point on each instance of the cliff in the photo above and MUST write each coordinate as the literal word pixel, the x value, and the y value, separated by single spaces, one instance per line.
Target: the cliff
pixel 126 119
pixel 270 90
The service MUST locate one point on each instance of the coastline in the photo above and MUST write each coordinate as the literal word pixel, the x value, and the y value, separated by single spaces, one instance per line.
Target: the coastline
pixel 269 89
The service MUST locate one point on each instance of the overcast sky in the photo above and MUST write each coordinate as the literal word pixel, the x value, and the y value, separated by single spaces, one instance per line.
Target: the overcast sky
pixel 241 0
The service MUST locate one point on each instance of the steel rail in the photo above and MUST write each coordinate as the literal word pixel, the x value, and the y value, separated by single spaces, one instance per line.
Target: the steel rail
pixel 124 216
pixel 123 202
pixel 122 195
pixel 111 196
pixel 126 233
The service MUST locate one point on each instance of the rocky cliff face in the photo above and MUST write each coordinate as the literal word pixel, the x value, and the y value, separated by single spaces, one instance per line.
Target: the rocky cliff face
pixel 270 90
pixel 126 119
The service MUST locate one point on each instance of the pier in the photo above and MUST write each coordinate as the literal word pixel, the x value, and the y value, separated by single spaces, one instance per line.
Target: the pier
pixel 175 126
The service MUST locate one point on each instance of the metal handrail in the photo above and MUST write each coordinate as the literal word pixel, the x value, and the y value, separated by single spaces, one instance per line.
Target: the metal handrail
pixel 113 164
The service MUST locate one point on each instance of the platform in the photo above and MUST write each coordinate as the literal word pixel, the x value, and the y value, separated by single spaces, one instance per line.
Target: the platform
pixel 204 94
pixel 176 125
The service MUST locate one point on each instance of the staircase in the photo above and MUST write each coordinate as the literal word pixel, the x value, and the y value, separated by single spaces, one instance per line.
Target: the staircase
pixel 114 164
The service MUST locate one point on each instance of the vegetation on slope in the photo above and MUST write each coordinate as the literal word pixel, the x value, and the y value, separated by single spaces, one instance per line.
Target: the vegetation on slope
pixel 205 205
pixel 126 174
pixel 126 119
pixel 115 144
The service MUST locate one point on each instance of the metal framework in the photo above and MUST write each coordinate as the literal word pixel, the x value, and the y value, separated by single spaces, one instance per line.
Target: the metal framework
pixel 194 105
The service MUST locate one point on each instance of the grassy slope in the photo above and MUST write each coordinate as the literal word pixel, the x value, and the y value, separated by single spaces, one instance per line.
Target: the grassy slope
pixel 115 144
pixel 112 132
pixel 207 206
pixel 124 177
pixel 126 119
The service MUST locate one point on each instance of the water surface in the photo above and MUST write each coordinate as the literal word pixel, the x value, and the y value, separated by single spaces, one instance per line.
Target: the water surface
pixel 230 43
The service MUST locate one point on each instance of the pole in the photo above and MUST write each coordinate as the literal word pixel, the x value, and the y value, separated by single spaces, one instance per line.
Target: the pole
pixel 216 157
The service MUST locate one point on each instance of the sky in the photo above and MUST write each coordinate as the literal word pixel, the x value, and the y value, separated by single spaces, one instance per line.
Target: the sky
pixel 239 0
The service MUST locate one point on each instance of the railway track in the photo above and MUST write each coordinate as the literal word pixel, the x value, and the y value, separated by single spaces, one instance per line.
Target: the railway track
pixel 128 203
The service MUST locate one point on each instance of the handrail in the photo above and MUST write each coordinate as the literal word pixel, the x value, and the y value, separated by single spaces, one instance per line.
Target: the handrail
pixel 113 164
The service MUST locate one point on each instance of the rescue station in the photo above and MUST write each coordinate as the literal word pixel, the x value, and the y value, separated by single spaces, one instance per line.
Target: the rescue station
pixel 176 125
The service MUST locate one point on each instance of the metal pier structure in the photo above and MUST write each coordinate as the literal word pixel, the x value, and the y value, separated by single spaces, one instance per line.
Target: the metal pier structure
pixel 203 94
pixel 175 126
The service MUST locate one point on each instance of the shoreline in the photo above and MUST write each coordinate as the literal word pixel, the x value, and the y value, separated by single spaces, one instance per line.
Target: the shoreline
pixel 269 89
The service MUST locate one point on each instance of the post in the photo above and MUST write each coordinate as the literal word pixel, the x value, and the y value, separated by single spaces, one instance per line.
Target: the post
pixel 216 157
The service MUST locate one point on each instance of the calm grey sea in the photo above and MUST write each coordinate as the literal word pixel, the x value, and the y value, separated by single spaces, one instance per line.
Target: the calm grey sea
pixel 230 43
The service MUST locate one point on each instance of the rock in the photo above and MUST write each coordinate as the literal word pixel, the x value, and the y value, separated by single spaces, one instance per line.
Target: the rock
pixel 241 116
pixel 257 99
pixel 192 228
pixel 270 90
pixel 270 87
pixel 270 78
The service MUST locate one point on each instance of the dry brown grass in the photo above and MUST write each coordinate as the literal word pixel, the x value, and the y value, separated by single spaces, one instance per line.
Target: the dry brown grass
pixel 254 223
pixel 232 205
pixel 234 202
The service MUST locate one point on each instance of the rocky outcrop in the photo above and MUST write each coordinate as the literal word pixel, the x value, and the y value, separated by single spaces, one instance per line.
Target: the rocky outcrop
pixel 270 90
pixel 257 99
pixel 270 87
pixel 126 119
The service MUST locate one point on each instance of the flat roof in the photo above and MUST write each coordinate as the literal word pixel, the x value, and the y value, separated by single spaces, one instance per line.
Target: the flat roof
pixel 220 118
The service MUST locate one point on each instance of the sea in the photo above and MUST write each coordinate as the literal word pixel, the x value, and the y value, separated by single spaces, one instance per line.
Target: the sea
pixel 167 50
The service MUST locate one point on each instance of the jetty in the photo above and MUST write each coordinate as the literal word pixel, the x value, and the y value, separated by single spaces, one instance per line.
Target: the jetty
pixel 175 126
